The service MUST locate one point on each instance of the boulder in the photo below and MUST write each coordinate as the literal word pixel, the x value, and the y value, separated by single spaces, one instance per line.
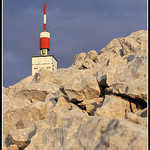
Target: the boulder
pixel 85 61
pixel 123 65
pixel 35 87
pixel 43 75
pixel 82 87
pixel 142 113
pixel 77 108
pixel 11 103
pixel 90 60
pixel 66 75
pixel 136 119
pixel 64 102
pixel 102 133
pixel 50 97
pixel 28 114
pixel 92 104
pixel 12 89
pixel 21 137
pixel 92 54
pixel 132 83
pixel 78 60
pixel 36 91
pixel 113 107
pixel 88 63
pixel 134 43
pixel 58 126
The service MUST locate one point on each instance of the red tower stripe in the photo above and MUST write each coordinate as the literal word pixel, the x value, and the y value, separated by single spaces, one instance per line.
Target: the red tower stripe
pixel 44 26
pixel 45 43
pixel 44 8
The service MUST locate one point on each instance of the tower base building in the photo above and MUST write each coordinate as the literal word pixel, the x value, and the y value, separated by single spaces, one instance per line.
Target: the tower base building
pixel 48 62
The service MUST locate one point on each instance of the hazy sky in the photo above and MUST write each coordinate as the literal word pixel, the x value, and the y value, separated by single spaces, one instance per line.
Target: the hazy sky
pixel 75 25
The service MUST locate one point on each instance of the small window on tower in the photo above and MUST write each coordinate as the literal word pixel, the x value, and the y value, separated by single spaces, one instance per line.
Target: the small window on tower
pixel 35 68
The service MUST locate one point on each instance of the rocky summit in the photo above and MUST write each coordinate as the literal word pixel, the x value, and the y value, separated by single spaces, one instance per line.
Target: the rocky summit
pixel 98 103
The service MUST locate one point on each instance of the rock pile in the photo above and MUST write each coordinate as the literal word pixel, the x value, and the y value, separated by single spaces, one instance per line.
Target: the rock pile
pixel 100 102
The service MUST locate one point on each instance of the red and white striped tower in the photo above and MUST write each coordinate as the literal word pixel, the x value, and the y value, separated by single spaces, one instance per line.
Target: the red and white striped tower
pixel 44 37
pixel 44 16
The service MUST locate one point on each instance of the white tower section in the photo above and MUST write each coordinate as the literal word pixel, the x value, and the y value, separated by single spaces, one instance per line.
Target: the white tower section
pixel 48 62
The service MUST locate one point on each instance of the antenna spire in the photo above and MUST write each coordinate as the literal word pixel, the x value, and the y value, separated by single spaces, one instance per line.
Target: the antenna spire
pixel 44 16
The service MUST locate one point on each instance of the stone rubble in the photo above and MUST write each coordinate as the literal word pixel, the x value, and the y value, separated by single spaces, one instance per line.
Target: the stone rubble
pixel 100 102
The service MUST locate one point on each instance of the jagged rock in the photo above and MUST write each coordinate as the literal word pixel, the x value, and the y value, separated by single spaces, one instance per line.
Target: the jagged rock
pixel 10 106
pixel 21 130
pixel 43 75
pixel 88 63
pixel 66 129
pixel 12 89
pixel 82 87
pixel 136 119
pixel 11 103
pixel 64 102
pixel 92 54
pixel 104 134
pixel 135 42
pixel 37 111
pixel 50 97
pixel 133 82
pixel 76 107
pixel 36 91
pixel 59 126
pixel 23 118
pixel 78 60
pixel 123 65
pixel 59 93
pixel 90 59
pixel 21 137
pixel 142 113
pixel 34 88
pixel 85 61
pixel 107 54
pixel 113 107
pixel 92 104
pixel 66 75
pixel 31 94
pixel 30 113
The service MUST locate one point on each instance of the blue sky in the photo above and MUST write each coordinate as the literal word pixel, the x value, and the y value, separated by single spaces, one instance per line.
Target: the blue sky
pixel 75 25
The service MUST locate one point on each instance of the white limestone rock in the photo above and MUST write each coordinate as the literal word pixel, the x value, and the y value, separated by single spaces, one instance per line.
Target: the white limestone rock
pixel 78 60
pixel 136 119
pixel 123 65
pixel 82 87
pixel 113 107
